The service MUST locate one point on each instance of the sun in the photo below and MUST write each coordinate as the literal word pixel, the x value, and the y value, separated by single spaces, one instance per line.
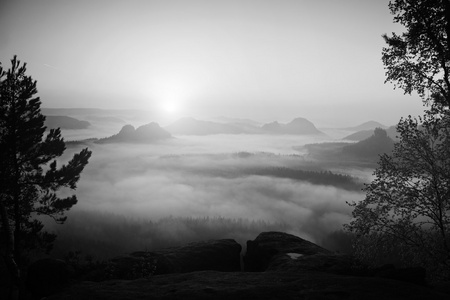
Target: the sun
pixel 170 107
pixel 171 100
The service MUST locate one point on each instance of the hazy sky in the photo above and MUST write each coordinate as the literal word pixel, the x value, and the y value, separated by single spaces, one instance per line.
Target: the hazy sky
pixel 266 60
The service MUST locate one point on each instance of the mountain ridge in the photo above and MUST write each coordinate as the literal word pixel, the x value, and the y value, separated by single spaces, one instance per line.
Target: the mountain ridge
pixel 191 126
pixel 369 125
pixel 65 122
pixel 147 133
pixel 364 134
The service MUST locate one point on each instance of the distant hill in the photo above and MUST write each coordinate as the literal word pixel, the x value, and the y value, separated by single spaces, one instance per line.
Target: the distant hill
pixel 144 134
pixel 191 126
pixel 70 111
pixel 359 135
pixel 365 152
pixel 370 125
pixel 105 119
pixel 88 113
pixel 229 120
pixel 65 122
pixel 371 147
pixel 299 126
pixel 364 134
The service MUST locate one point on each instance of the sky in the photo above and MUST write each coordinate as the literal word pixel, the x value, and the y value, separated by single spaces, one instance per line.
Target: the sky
pixel 256 59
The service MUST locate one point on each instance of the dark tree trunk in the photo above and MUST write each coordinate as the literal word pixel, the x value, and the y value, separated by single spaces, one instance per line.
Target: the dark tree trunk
pixel 13 267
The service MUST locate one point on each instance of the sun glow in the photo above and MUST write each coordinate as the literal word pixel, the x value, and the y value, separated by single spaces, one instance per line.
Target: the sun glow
pixel 170 99
pixel 172 95
pixel 170 107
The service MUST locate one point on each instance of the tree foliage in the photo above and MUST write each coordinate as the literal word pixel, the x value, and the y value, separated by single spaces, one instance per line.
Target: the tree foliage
pixel 419 59
pixel 31 181
pixel 407 205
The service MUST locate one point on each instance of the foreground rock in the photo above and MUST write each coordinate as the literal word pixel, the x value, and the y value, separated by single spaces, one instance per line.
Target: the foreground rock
pixel 216 255
pixel 278 251
pixel 283 267
pixel 268 246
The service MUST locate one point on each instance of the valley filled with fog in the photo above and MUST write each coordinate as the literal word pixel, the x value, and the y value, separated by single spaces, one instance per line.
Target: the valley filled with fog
pixel 194 187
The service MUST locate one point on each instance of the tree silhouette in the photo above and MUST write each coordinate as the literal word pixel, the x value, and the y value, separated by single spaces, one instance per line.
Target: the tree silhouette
pixel 419 59
pixel 30 178
pixel 407 206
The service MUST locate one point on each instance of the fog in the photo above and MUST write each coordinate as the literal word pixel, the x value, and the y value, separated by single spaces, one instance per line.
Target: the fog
pixel 214 177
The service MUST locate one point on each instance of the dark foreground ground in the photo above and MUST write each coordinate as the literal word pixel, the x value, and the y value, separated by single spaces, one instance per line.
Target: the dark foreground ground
pixel 276 265
pixel 250 285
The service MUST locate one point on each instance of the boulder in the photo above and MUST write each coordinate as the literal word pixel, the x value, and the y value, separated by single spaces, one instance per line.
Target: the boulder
pixel 214 255
pixel 270 245
pixel 47 276
pixel 129 267
pixel 321 262
pixel 282 252
pixel 217 255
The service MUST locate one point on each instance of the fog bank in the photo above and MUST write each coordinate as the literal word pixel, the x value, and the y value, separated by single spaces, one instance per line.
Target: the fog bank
pixel 198 177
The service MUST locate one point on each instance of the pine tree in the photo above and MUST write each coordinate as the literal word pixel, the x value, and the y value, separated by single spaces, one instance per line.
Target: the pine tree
pixel 30 179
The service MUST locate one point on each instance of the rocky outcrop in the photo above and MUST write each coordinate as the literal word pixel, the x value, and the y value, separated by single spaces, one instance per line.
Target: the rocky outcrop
pixel 290 268
pixel 320 262
pixel 217 255
pixel 365 134
pixel 298 126
pixel 127 130
pixel 191 126
pixel 282 252
pixel 370 148
pixel 268 246
pixel 148 133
